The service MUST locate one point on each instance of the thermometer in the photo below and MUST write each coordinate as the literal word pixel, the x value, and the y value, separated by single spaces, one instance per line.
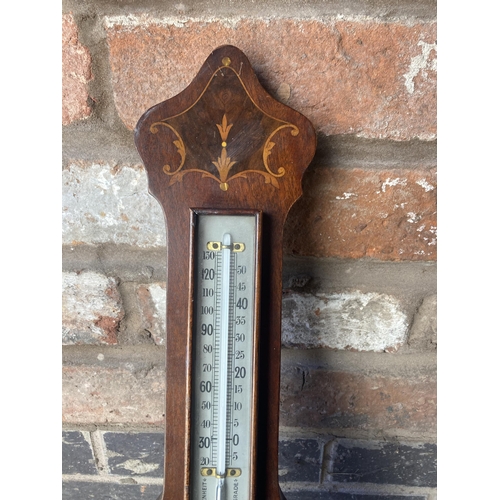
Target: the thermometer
pixel 224 355
pixel 225 161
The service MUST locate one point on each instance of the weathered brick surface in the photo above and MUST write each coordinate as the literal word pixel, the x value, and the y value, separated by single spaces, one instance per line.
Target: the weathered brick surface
pixel 79 490
pixel 349 213
pixel 423 333
pixel 373 79
pixel 76 73
pixel 77 456
pixel 351 320
pixel 98 395
pixel 379 462
pixel 152 304
pixel 135 454
pixel 358 461
pixel 335 399
pixel 91 309
pixel 355 213
pixel 104 204
pixel 374 468
pixel 316 398
pixel 299 460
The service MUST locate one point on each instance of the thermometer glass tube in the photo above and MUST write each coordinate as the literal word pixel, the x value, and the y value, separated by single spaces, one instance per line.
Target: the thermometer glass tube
pixel 224 347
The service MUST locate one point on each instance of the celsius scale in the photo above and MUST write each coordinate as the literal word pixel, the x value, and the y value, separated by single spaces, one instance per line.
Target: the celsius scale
pixel 225 160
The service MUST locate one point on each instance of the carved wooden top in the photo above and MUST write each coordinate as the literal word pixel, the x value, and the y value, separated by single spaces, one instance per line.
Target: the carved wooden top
pixel 224 141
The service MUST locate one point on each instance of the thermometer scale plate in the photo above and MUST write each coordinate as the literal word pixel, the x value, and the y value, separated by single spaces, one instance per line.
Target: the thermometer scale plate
pixel 225 344
pixel 225 160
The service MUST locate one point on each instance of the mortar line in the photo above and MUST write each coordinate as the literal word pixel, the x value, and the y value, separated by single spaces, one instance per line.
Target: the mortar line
pixel 112 479
pixel 401 436
pixel 329 449
pixel 99 450
pixel 358 488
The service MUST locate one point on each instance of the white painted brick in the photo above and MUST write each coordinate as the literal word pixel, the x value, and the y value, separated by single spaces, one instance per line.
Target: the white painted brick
pixel 103 204
pixel 359 321
pixel 354 320
pixel 91 309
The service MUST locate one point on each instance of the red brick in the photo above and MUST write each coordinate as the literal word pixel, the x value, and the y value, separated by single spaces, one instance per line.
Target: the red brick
pixel 133 394
pixel 355 213
pixel 335 399
pixel 76 73
pixel 372 79
pixel 103 395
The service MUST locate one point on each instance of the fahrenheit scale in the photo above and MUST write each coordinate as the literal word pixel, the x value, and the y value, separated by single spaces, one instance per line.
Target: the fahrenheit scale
pixel 225 160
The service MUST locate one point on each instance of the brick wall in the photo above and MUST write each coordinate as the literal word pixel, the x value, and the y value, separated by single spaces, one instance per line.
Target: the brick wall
pixel 358 391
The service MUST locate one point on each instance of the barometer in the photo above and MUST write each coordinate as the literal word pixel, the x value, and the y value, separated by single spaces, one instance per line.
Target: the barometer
pixel 225 160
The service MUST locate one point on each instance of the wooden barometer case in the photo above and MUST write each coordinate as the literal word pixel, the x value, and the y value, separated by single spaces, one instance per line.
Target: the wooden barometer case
pixel 225 160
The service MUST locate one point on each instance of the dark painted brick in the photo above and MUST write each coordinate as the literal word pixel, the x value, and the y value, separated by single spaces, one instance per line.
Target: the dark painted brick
pixel 299 460
pixel 333 495
pixel 80 490
pixel 135 454
pixel 77 457
pixel 382 463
